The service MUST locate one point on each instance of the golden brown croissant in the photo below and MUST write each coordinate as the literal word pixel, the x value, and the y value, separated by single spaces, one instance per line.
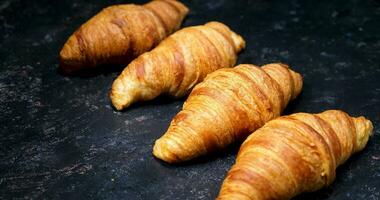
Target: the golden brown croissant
pixel 294 154
pixel 176 65
pixel 120 33
pixel 226 107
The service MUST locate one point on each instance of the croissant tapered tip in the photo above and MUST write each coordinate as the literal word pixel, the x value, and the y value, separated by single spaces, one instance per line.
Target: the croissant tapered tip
pixel 161 152
pixel 364 130
pixel 120 101
pixel 298 84
pixel 369 126
pixel 238 41
pixel 121 96
pixel 179 5
pixel 296 79
pixel 71 56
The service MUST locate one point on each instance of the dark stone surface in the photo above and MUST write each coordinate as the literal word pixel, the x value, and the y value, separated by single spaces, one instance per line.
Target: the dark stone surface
pixel 61 139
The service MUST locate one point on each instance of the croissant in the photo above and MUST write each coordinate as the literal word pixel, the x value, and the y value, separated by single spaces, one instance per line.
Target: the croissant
pixel 226 107
pixel 120 33
pixel 294 154
pixel 176 65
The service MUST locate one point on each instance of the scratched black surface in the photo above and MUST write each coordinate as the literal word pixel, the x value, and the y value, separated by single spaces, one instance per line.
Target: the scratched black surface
pixel 61 139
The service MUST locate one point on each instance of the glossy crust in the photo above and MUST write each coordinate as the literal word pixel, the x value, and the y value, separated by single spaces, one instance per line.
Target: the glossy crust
pixel 120 33
pixel 176 65
pixel 294 154
pixel 226 107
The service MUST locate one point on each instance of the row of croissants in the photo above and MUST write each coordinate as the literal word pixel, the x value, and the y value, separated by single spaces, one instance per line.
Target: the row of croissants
pixel 280 156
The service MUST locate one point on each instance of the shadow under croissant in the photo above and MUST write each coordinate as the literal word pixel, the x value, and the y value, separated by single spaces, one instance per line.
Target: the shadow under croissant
pixel 160 100
pixel 318 195
pixel 93 71
pixel 231 150
pixel 293 105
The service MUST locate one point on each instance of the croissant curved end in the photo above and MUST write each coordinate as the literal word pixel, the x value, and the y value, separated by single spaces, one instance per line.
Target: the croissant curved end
pixel 161 152
pixel 298 84
pixel 239 43
pixel 70 56
pixel 120 96
pixel 118 100
pixel 179 5
pixel 364 130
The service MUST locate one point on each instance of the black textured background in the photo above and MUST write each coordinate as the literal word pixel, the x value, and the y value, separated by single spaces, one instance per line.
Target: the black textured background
pixel 61 139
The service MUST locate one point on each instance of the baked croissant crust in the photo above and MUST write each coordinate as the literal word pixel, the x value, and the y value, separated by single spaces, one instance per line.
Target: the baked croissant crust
pixel 120 33
pixel 177 64
pixel 226 107
pixel 294 154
